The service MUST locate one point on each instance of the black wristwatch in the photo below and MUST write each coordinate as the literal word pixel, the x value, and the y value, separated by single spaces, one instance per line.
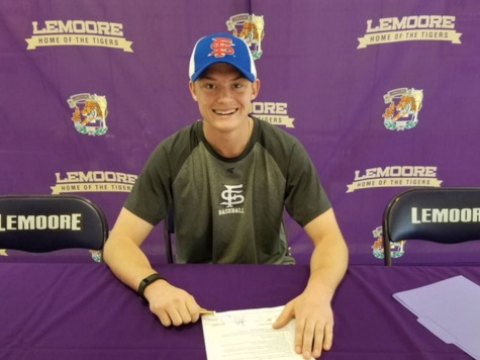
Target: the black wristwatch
pixel 146 282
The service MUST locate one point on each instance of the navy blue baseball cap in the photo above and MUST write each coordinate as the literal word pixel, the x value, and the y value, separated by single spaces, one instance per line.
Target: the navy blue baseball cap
pixel 222 48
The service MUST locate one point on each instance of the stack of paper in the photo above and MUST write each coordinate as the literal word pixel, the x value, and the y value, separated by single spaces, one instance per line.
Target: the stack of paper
pixel 450 310
pixel 248 335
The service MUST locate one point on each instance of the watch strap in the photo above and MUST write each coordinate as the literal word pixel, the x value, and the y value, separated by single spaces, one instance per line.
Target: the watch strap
pixel 146 282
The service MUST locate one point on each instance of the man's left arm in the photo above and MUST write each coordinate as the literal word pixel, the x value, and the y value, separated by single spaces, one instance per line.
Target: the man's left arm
pixel 312 308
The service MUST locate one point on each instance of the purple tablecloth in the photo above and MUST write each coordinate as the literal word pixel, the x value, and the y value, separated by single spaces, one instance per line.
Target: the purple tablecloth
pixel 78 311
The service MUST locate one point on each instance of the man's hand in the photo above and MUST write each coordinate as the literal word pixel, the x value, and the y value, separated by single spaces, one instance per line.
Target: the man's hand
pixel 172 305
pixel 314 322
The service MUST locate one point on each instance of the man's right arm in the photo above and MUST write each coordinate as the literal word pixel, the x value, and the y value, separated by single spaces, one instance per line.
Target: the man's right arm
pixel 124 256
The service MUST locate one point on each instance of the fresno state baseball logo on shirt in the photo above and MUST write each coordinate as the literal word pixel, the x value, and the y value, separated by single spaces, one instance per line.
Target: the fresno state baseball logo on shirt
pixel 232 195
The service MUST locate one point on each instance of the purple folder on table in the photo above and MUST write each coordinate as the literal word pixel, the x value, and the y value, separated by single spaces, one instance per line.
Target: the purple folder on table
pixel 449 309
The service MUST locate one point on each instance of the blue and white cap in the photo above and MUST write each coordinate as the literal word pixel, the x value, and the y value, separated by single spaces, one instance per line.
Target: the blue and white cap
pixel 222 48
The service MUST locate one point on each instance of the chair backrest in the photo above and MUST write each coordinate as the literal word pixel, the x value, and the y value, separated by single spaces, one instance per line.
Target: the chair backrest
pixel 442 215
pixel 168 232
pixel 43 223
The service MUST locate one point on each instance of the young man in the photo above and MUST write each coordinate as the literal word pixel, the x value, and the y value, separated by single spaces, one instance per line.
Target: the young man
pixel 229 178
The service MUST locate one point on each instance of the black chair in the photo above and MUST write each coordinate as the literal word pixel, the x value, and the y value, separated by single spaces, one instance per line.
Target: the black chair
pixel 442 215
pixel 168 232
pixel 44 223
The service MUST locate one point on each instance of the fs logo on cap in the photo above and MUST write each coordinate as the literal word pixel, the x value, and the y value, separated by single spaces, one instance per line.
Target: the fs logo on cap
pixel 222 47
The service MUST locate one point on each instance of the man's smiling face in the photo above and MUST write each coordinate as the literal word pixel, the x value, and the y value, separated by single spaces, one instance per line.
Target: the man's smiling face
pixel 224 97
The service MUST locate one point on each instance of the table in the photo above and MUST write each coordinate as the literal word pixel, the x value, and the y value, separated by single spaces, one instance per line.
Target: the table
pixel 73 311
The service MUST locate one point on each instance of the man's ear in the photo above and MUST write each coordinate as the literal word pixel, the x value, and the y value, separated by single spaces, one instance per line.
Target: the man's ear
pixel 256 89
pixel 191 86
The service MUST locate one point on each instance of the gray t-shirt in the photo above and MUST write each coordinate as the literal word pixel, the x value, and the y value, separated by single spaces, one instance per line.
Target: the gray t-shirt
pixel 229 210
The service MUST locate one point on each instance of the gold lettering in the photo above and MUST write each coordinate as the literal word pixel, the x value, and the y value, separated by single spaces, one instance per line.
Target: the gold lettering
pixel 78 27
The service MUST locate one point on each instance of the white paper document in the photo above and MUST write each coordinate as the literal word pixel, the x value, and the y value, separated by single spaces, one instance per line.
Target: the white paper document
pixel 248 335
pixel 450 309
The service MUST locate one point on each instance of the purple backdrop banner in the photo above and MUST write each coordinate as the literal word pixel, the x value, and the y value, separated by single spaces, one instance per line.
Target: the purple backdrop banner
pixel 382 94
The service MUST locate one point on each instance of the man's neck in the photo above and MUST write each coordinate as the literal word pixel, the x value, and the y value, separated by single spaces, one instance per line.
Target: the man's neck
pixel 230 144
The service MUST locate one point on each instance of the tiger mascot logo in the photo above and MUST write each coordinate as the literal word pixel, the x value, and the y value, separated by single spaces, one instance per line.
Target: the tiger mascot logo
pixel 90 113
pixel 397 249
pixel 251 28
pixel 403 108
